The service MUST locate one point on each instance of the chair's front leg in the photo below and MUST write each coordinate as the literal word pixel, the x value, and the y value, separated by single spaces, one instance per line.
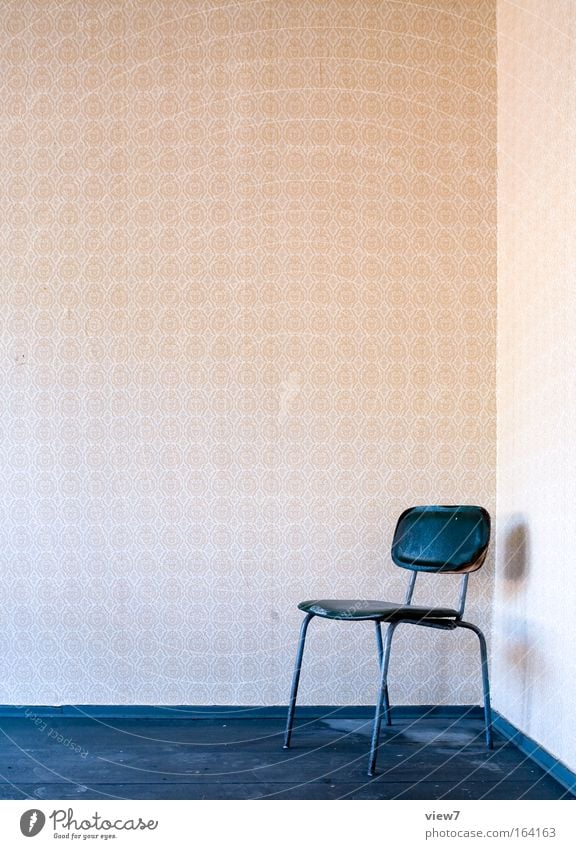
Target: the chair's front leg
pixel 296 680
pixel 485 680
pixel 381 699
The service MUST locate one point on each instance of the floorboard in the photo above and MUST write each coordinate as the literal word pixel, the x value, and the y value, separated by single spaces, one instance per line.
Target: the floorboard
pixel 421 757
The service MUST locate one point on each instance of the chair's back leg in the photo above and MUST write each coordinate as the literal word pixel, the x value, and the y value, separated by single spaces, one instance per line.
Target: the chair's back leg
pixel 296 680
pixel 381 699
pixel 386 701
pixel 387 649
pixel 379 643
pixel 485 680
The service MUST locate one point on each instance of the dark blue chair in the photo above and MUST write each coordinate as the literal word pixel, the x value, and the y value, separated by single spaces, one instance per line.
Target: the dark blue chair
pixel 445 540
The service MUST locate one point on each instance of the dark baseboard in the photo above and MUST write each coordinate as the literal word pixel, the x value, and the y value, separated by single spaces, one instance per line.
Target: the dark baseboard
pixel 535 752
pixel 232 711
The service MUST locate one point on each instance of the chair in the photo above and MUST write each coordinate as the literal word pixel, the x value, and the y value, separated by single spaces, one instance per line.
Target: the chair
pixel 445 540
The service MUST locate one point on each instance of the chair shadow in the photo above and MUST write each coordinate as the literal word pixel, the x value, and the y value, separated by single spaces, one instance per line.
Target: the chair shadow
pixel 521 654
pixel 516 555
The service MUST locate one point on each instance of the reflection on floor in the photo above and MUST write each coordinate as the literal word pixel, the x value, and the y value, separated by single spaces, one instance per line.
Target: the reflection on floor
pixel 239 755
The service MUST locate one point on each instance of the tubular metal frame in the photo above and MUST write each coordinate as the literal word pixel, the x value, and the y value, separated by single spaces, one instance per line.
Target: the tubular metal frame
pixel 384 649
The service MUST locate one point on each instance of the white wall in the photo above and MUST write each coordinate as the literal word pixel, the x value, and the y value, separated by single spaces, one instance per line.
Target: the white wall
pixel 535 602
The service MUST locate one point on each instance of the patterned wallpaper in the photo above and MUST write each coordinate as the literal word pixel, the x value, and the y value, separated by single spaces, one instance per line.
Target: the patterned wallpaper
pixel 247 316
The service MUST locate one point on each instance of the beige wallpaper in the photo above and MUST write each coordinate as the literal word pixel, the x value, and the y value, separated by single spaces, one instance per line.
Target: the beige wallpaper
pixel 535 641
pixel 247 316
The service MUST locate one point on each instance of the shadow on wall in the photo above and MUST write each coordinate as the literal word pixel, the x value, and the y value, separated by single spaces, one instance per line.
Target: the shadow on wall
pixel 521 655
pixel 516 555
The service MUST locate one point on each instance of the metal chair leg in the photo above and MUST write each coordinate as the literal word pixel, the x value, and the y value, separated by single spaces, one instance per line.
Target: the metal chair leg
pixel 387 648
pixel 379 643
pixel 485 680
pixel 387 718
pixel 381 699
pixel 296 680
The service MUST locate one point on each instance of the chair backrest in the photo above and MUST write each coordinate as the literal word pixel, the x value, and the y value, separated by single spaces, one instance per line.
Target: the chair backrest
pixel 449 539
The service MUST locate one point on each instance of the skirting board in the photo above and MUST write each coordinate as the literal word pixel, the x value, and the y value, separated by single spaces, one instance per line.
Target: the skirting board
pixel 233 711
pixel 535 752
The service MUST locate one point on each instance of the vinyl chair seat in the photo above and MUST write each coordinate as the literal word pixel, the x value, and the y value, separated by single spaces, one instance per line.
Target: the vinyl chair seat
pixel 381 611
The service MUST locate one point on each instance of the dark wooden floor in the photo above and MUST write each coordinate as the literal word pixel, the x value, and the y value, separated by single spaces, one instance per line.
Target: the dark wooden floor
pixel 422 757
